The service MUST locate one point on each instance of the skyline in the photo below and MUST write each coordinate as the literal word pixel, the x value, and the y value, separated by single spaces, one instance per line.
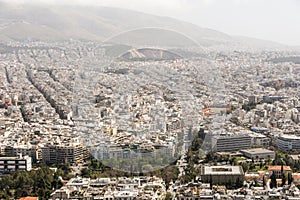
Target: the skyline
pixel 274 20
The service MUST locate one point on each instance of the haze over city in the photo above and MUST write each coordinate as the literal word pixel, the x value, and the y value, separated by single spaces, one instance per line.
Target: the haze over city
pixel 276 20
pixel 161 99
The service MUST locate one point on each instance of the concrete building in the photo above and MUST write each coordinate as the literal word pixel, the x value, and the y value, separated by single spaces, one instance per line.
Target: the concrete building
pixel 222 174
pixel 258 153
pixel 25 150
pixel 62 193
pixel 260 140
pixel 63 153
pixel 288 142
pixel 11 164
pixel 230 143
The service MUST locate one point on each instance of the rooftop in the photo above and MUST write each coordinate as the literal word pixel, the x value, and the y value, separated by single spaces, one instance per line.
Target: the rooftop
pixel 225 170
pixel 15 158
pixel 278 168
pixel 291 137
pixel 29 198
pixel 257 151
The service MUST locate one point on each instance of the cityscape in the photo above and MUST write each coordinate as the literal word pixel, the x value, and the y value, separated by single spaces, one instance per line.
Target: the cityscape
pixel 154 112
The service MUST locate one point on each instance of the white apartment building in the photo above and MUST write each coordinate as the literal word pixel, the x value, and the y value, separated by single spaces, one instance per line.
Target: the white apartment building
pixel 11 164
pixel 288 142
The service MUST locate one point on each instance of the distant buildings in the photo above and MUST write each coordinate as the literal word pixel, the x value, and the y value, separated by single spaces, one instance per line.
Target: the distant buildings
pixel 39 87
pixel 272 99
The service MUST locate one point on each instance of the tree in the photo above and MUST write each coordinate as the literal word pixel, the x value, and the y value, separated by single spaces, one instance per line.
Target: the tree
pixel 210 157
pixel 252 166
pixel 283 179
pixel 239 183
pixel 34 183
pixel 255 182
pixel 168 196
pixel 273 180
pixel 283 176
pixel 210 181
pixel 290 178
pixel 277 160
pixel 245 166
pixel 260 164
pixel 85 173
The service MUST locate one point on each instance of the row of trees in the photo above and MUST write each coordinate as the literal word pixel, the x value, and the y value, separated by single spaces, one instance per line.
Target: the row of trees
pixel 40 182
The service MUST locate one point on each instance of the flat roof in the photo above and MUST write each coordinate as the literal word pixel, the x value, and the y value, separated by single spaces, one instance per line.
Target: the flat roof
pixel 291 137
pixel 29 198
pixel 257 151
pixel 278 168
pixel 222 170
pixel 14 158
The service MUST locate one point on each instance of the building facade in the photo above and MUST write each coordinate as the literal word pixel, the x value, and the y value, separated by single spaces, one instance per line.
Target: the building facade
pixel 11 164
pixel 288 142
pixel 230 143
pixel 63 153
pixel 277 170
pixel 222 174
pixel 258 153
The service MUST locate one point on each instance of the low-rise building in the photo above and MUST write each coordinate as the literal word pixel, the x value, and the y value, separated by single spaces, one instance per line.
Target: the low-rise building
pixel 278 170
pixel 222 174
pixel 258 153
pixel 112 188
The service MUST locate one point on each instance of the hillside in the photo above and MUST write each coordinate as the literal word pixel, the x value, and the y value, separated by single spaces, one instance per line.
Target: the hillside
pixel 55 23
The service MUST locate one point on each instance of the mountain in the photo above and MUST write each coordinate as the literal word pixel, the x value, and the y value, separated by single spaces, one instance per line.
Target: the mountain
pixel 254 43
pixel 56 23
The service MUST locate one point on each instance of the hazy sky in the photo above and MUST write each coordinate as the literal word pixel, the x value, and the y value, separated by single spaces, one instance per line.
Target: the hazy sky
pixel 277 20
